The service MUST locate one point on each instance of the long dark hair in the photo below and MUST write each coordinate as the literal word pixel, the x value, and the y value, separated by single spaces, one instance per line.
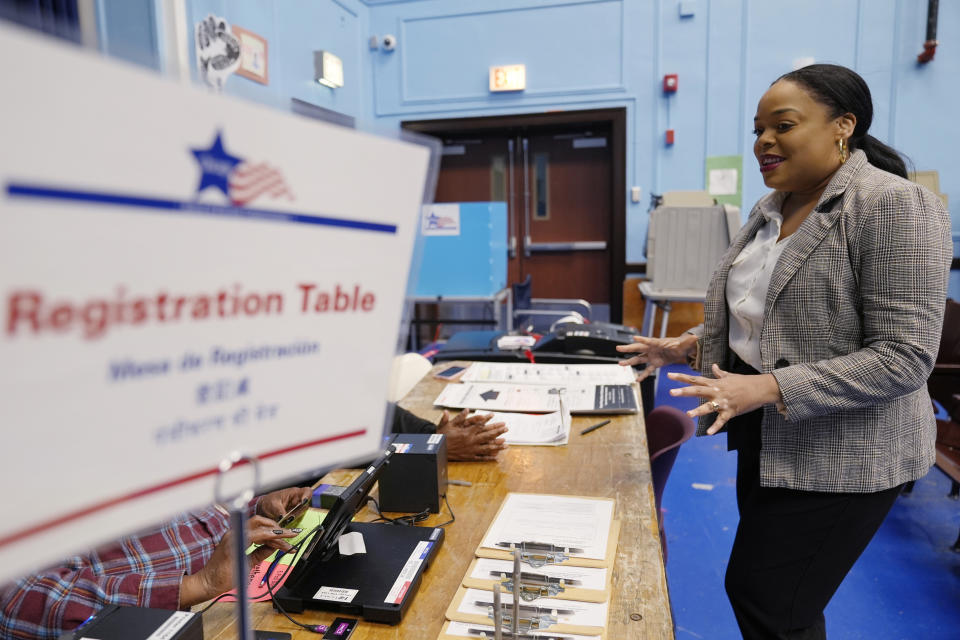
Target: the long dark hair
pixel 842 91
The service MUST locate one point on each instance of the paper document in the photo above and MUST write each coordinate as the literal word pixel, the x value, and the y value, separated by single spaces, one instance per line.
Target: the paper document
pixel 551 429
pixel 468 630
pixel 351 544
pixel 494 396
pixel 579 577
pixel 563 521
pixel 257 590
pixel 569 612
pixel 562 374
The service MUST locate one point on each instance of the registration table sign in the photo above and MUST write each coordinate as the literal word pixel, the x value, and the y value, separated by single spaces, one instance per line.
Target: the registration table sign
pixel 182 275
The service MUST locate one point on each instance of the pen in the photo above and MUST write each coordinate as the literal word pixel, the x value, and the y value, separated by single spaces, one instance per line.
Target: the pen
pixel 273 565
pixel 594 427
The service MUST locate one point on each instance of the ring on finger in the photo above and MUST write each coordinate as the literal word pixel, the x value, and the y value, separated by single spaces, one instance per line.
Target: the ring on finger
pixel 715 405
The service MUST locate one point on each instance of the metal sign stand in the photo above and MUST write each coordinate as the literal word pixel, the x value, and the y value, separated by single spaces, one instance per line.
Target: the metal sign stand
pixel 237 507
pixel 514 631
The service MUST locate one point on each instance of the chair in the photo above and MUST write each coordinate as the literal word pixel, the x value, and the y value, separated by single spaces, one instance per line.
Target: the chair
pixel 944 388
pixel 405 373
pixel 538 315
pixel 667 429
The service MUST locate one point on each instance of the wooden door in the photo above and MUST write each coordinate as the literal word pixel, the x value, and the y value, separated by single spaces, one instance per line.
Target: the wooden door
pixel 557 189
pixel 565 242
pixel 562 175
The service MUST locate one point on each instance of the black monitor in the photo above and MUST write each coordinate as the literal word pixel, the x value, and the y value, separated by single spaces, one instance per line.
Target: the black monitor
pixel 324 543
pixel 378 584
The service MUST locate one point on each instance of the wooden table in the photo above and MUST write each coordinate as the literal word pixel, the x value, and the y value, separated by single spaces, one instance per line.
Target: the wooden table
pixel 609 462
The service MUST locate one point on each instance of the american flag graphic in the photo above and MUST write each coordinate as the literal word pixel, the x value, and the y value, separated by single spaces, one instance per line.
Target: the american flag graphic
pixel 249 181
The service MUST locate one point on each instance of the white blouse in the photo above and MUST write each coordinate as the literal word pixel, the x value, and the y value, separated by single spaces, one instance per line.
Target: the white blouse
pixel 747 285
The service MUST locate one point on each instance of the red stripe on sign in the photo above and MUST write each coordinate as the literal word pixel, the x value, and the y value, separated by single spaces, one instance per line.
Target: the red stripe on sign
pixel 246 169
pixel 403 592
pixel 256 180
pixel 106 504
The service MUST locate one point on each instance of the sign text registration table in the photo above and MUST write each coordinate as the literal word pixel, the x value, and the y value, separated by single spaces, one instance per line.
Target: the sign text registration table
pixel 608 462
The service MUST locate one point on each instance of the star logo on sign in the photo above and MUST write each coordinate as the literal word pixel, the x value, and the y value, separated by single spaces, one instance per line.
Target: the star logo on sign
pixel 215 165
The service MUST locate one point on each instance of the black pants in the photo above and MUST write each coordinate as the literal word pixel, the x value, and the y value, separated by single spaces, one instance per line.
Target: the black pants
pixel 793 548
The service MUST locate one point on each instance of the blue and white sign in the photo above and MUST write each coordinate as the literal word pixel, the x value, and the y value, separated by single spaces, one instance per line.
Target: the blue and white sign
pixel 182 275
pixel 441 220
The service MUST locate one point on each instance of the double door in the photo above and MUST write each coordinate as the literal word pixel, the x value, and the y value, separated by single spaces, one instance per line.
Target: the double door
pixel 558 184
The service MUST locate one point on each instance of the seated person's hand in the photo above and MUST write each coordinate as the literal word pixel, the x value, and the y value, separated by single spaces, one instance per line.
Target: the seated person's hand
pixel 216 577
pixel 472 437
pixel 275 504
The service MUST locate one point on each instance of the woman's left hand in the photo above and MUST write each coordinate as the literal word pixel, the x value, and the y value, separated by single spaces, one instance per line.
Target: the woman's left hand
pixel 275 504
pixel 729 394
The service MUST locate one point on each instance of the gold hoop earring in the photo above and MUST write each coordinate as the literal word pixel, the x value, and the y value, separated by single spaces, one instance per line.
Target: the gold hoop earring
pixel 842 146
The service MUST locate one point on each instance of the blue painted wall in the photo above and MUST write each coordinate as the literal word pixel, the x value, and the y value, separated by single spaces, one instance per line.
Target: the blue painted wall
pixel 585 54
pixel 294 29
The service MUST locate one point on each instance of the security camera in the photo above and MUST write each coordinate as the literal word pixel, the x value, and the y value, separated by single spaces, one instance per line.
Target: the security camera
pixel 389 42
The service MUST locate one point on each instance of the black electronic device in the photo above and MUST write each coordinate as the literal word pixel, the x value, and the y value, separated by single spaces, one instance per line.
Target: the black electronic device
pixel 139 623
pixel 450 373
pixel 416 478
pixel 594 339
pixel 324 543
pixel 378 584
pixel 340 629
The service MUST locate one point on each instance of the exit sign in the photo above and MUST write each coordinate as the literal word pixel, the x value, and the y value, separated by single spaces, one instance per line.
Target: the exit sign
pixel 508 78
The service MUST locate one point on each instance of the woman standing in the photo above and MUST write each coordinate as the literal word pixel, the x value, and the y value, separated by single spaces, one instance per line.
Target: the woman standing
pixel 821 326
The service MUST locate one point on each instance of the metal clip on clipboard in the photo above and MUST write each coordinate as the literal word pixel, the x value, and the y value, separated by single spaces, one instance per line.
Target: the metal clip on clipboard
pixel 522 618
pixel 508 635
pixel 538 554
pixel 530 617
pixel 535 585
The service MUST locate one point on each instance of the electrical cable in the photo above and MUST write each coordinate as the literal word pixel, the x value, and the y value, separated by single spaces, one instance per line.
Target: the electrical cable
pixel 298 548
pixel 452 517
pixel 402 520
pixel 412 519
pixel 315 628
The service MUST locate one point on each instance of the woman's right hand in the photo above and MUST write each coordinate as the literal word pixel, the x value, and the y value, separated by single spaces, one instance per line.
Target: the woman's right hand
pixel 656 352
pixel 216 576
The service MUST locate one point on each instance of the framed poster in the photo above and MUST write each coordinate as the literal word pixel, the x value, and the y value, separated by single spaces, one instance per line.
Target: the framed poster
pixel 253 56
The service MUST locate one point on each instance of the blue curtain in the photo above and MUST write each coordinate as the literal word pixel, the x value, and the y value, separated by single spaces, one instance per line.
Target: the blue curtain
pixel 56 17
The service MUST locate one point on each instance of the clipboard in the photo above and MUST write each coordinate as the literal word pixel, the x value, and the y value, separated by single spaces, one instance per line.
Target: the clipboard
pixel 569 593
pixel 454 613
pixel 576 561
pixel 445 634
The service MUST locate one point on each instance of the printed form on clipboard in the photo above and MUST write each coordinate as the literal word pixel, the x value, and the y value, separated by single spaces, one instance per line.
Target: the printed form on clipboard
pixel 576 530
pixel 539 398
pixel 562 374
pixel 562 582
pixel 453 630
pixel 559 616
pixel 543 429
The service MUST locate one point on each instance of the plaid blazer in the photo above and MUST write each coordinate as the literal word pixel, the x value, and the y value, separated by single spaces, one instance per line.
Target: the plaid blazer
pixel 851 329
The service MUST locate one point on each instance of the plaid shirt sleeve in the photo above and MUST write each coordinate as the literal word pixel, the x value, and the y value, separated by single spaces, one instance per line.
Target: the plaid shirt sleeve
pixel 142 570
